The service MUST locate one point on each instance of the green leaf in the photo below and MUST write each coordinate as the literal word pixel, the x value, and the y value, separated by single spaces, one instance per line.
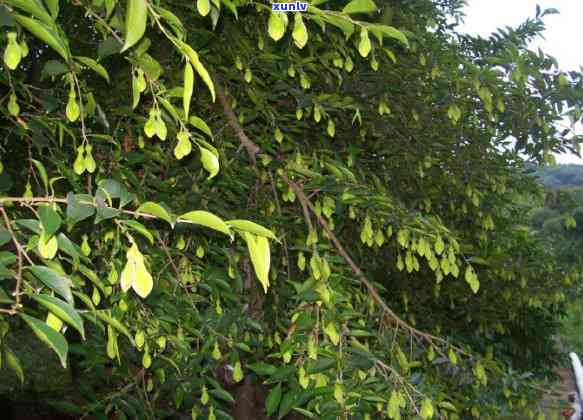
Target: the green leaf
pixel 71 249
pixel 223 395
pixel 263 369
pixel 360 6
pixel 14 363
pixel 204 218
pixel 200 69
pixel 43 173
pixel 251 227
pixel 53 6
pixel 273 400
pixel 94 65
pixel 136 20
pixel 188 87
pixel 287 403
pixel 140 228
pixel 4 236
pixel 57 282
pixel 50 220
pixel 45 34
pixel 77 210
pixel 49 336
pixel 53 68
pixel 155 209
pixel 390 32
pixel 105 316
pixel 210 162
pixel 62 310
pixel 34 7
pixel 201 125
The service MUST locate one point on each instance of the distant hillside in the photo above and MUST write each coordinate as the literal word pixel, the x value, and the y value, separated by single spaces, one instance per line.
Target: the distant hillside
pixel 561 176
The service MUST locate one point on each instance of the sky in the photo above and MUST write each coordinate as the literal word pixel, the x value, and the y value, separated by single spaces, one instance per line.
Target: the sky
pixel 562 38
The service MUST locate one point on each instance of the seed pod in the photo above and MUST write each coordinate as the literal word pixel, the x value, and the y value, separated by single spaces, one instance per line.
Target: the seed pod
pixel 13 52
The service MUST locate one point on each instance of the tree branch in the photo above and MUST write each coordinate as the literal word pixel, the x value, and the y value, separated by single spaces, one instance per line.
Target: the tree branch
pixel 389 313
pixel 246 142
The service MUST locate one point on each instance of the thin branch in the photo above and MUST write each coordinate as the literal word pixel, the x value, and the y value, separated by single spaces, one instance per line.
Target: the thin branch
pixel 21 252
pixel 248 144
pixel 389 313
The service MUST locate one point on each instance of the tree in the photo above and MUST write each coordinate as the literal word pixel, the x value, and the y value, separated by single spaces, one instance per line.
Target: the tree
pixel 275 214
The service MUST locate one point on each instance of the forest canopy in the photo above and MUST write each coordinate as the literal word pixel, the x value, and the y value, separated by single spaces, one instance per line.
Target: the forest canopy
pixel 212 209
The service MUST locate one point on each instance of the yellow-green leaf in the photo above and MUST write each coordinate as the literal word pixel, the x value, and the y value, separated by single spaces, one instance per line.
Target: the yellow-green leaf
pixel 427 410
pixel 332 333
pixel 188 87
pixel 203 7
pixel 260 257
pixel 12 53
pixel 155 209
pixel 210 162
pixel 201 125
pixel 364 46
pixel 72 111
pixel 300 33
pixel 204 218
pixel 251 227
pixel 144 283
pixel 276 25
pixel 360 6
pixel 136 20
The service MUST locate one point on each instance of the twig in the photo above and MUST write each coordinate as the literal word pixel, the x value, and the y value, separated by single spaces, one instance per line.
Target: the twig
pixel 248 144
pixel 21 252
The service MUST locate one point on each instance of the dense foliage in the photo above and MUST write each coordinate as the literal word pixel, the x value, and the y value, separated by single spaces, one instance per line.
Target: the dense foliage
pixel 227 211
